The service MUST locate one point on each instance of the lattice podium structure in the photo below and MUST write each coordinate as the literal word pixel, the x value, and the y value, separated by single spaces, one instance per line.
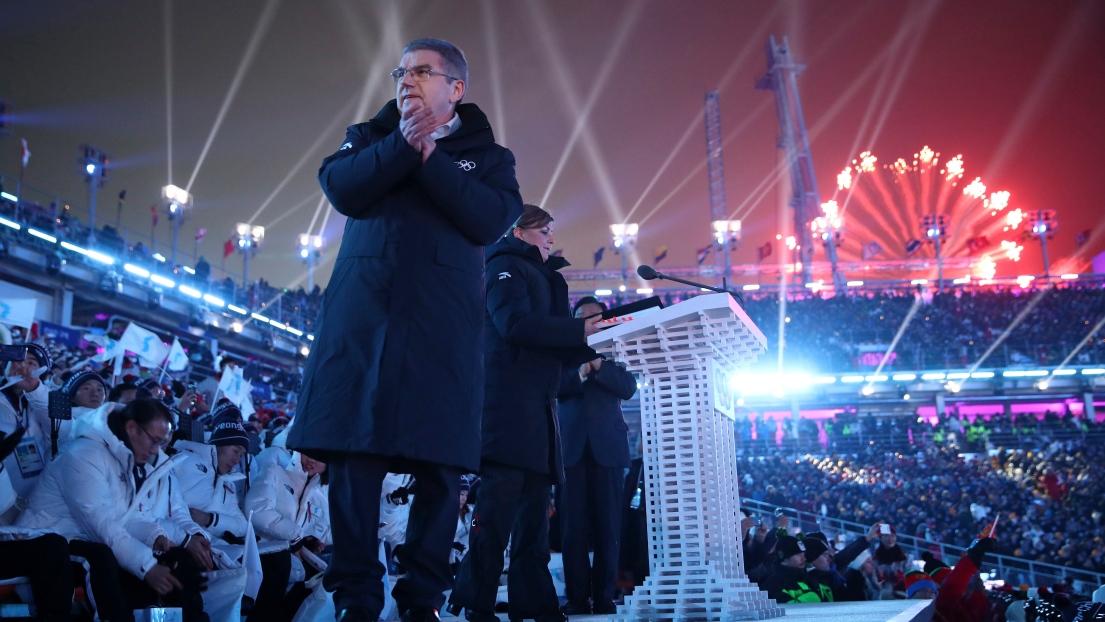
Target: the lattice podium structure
pixel 683 357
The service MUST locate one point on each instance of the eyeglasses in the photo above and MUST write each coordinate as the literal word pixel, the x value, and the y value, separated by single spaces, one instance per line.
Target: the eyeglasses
pixel 162 444
pixel 420 73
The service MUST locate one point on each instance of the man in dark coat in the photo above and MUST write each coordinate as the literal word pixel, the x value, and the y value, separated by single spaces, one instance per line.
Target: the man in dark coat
pixel 528 339
pixel 596 454
pixel 395 379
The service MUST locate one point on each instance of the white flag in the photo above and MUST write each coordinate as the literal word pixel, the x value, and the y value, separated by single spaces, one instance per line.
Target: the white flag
pixel 178 360
pixel 251 561
pixel 146 344
pixel 18 312
pixel 234 387
pixel 112 349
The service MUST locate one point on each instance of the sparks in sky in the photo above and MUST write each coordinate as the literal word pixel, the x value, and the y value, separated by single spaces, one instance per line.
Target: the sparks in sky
pixel 986 268
pixel 1013 219
pixel 844 179
pixel 997 201
pixel 953 169
pixel 1012 250
pixel 865 163
pixel 975 189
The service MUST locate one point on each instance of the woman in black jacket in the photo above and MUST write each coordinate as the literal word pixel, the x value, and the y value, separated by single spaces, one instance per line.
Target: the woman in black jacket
pixel 529 336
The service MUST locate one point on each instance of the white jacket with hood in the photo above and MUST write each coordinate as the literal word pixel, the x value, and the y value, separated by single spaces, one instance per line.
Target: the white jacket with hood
pixel 204 489
pixel 88 493
pixel 287 505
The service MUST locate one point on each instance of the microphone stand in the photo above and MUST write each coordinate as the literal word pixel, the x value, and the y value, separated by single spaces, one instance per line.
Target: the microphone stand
pixel 720 290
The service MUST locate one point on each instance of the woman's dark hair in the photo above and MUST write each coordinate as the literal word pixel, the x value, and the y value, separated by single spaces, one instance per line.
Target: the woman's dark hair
pixel 141 411
pixel 532 217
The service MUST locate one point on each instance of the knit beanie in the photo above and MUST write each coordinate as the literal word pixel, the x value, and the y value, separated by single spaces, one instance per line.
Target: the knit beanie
pixel 815 547
pixel 228 428
pixel 940 574
pixel 76 380
pixel 39 353
pixel 915 581
pixel 932 563
pixel 788 546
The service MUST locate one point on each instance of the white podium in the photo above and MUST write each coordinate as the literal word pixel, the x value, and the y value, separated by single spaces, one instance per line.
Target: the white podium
pixel 683 356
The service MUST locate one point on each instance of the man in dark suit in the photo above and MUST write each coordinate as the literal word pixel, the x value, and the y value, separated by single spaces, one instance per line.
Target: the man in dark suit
pixel 395 379
pixel 596 454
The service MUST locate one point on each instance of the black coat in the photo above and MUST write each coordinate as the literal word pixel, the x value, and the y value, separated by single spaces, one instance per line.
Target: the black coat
pixel 591 412
pixel 530 336
pixel 396 368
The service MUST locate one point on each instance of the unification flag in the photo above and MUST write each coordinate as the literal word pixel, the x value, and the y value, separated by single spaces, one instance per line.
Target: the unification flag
pixel 112 350
pixel 18 311
pixel 26 155
pixel 146 344
pixel 912 246
pixel 178 359
pixel 871 249
pixel 598 255
pixel 763 252
pixel 703 252
pixel 661 253
pixel 199 234
pixel 976 244
pixel 228 248
pixel 1081 239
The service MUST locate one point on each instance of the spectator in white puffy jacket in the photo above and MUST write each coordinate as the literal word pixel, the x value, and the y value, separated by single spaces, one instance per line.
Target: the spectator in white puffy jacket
pixel 23 405
pixel 206 481
pixel 93 491
pixel 288 505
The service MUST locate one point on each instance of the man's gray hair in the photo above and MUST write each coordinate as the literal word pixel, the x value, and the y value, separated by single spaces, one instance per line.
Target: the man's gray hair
pixel 451 56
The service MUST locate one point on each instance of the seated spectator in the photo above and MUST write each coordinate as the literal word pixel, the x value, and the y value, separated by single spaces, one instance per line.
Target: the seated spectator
pixel 206 482
pixel 288 506
pixel 44 559
pixel 789 582
pixel 92 491
pixel 920 586
pixel 863 581
pixel 24 405
pixel 123 393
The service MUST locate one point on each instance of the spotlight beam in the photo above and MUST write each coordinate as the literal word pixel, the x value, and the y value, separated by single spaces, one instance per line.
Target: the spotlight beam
pixel 325 219
pixel 1067 42
pixel 168 38
pixel 898 336
pixel 293 209
pixel 327 134
pixel 1009 329
pixel 582 114
pixel 259 30
pixel 491 35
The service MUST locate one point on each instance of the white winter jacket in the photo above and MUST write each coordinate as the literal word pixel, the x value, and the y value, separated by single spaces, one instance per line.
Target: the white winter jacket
pixel 204 489
pixel 287 505
pixel 88 493
pixel 31 414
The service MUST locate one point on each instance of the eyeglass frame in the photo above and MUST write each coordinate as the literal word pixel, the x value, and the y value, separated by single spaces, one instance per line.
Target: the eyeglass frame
pixel 160 444
pixel 398 73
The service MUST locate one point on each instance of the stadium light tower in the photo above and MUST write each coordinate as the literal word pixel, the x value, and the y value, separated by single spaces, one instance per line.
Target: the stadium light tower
pixel 625 239
pixel 250 239
pixel 829 228
pixel 95 163
pixel 935 228
pixel 310 249
pixel 177 203
pixel 1044 225
pixel 727 233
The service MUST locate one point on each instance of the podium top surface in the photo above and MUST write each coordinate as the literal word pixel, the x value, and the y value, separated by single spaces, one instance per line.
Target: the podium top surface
pixel 713 305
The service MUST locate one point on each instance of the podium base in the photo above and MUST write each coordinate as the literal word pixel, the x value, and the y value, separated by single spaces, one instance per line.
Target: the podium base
pixel 875 611
pixel 673 594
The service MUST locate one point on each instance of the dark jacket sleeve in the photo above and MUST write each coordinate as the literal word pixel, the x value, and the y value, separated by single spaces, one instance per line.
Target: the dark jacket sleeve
pixel 570 384
pixel 508 302
pixel 360 174
pixel 850 552
pixel 949 598
pixel 481 209
pixel 615 379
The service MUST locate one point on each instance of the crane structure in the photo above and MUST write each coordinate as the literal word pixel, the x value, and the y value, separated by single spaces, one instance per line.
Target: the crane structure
pixel 719 212
pixel 782 78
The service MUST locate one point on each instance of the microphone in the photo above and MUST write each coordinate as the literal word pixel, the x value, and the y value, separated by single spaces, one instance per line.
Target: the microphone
pixel 648 273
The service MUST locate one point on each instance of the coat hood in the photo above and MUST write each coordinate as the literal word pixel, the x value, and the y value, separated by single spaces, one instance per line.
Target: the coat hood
pixel 93 425
pixel 511 245
pixel 473 124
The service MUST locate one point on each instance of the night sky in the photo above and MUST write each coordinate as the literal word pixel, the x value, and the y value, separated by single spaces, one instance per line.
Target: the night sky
pixel 1016 87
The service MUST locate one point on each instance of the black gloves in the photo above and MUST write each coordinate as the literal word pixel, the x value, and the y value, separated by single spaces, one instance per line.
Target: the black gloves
pixel 458 547
pixel 9 442
pixel 980 548
pixel 399 496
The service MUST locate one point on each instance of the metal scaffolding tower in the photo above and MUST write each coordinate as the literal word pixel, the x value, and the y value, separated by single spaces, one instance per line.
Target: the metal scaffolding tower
pixel 723 259
pixel 782 78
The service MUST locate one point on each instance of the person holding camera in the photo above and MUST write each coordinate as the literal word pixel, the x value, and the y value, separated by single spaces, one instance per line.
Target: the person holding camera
pixel 24 404
pixel 529 338
pixel 91 493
